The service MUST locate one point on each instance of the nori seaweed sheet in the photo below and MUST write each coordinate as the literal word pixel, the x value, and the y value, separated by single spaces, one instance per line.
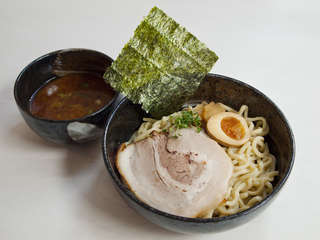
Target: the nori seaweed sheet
pixel 161 66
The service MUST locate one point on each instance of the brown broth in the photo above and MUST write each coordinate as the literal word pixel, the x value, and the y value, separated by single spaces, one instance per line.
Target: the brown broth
pixel 70 97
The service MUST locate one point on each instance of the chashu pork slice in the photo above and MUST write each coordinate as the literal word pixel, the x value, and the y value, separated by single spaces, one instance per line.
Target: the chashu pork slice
pixel 186 176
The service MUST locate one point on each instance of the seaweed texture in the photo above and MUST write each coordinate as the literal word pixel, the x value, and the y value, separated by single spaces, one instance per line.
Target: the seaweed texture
pixel 161 66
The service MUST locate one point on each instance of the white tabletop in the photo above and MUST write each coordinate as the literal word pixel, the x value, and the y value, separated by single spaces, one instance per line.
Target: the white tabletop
pixel 49 191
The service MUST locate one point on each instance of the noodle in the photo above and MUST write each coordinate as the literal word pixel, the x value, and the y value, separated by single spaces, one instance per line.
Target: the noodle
pixel 253 164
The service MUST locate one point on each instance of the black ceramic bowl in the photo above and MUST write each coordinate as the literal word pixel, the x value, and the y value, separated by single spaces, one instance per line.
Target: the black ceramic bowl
pixel 127 117
pixel 48 67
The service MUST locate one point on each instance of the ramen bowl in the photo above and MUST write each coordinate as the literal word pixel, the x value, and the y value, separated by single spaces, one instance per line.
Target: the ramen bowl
pixel 51 66
pixel 127 117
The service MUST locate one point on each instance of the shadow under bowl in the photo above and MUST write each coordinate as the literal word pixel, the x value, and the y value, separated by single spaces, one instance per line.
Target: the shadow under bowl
pixel 127 117
pixel 56 64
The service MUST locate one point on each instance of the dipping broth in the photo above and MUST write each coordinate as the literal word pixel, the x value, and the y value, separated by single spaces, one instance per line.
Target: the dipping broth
pixel 70 97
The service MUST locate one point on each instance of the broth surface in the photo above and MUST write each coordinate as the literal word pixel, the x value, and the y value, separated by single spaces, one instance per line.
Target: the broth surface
pixel 70 97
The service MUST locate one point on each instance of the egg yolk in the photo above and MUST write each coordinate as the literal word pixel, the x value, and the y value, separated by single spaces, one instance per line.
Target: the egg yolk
pixel 232 127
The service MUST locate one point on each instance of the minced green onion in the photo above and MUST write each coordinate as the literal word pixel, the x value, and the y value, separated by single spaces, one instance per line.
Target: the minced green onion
pixel 187 119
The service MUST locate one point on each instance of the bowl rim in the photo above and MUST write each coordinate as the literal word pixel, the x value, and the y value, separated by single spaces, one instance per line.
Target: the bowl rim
pixel 250 210
pixel 19 79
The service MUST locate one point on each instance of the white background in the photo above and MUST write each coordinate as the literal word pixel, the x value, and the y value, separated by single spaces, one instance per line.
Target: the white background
pixel 55 192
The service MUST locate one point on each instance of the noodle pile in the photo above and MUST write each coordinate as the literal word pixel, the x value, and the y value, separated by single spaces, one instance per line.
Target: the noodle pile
pixel 253 164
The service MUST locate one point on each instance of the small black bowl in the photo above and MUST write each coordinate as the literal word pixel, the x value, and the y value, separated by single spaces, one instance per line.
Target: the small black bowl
pixel 127 117
pixel 48 67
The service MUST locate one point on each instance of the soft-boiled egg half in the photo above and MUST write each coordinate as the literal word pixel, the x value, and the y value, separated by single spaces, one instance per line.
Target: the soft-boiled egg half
pixel 228 128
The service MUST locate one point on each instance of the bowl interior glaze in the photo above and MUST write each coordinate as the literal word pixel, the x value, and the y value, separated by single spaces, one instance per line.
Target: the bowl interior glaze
pixel 127 117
